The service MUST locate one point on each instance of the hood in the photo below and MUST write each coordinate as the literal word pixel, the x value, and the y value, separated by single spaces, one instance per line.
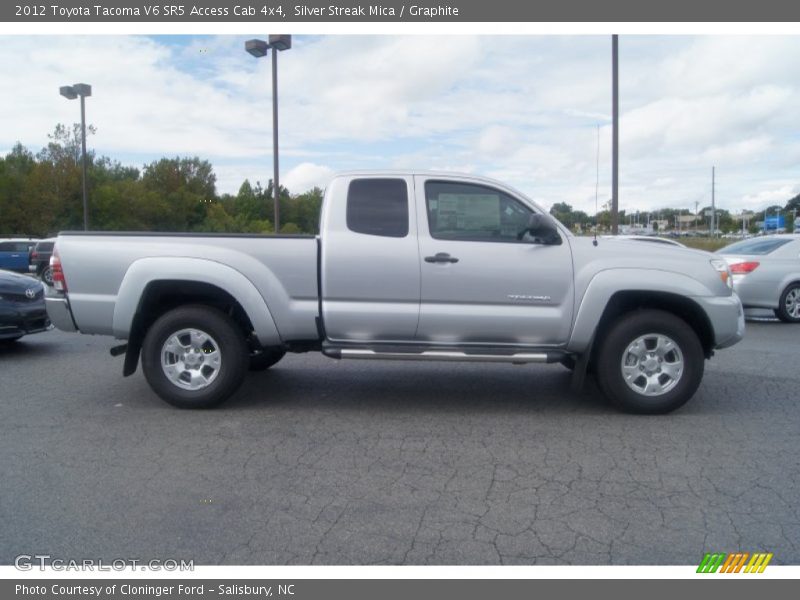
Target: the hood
pixel 641 248
pixel 14 283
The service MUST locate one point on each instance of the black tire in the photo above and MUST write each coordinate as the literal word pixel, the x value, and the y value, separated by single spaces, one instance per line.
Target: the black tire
pixel 264 359
pixel 230 343
pixel 782 311
pixel 10 340
pixel 47 276
pixel 613 349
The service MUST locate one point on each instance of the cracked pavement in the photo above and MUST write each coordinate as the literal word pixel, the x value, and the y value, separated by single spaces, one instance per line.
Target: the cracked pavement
pixel 349 462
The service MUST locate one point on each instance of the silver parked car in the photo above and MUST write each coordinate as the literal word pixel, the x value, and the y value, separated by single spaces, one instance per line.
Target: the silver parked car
pixel 766 273
pixel 653 239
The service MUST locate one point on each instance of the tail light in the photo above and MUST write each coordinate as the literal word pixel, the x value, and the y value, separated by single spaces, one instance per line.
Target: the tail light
pixel 58 273
pixel 743 268
pixel 34 254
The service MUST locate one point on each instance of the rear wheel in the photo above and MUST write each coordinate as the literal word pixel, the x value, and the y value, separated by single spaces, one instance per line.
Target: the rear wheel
pixel 194 357
pixel 650 362
pixel 788 309
pixel 47 276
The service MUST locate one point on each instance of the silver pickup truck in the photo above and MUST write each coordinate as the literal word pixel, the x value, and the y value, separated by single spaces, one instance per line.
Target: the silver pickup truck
pixel 408 266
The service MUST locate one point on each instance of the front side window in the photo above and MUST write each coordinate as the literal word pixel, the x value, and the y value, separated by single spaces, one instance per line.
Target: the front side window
pixel 468 212
pixel 378 207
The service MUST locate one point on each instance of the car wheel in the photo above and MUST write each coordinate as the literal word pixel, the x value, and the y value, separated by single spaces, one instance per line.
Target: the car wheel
pixel 194 357
pixel 264 359
pixel 788 309
pixel 47 276
pixel 650 362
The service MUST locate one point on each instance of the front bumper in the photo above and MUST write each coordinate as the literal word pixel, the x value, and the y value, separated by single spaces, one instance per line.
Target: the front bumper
pixel 727 318
pixel 59 312
pixel 18 319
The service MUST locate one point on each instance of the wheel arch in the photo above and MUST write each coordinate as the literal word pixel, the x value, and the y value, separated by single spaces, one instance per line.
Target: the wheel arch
pixel 682 307
pixel 154 286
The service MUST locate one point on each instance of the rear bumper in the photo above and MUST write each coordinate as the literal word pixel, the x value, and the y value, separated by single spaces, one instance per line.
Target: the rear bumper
pixel 727 319
pixel 756 294
pixel 59 312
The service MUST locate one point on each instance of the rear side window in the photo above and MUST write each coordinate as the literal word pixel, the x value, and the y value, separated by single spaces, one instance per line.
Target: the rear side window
pixel 760 246
pixel 378 207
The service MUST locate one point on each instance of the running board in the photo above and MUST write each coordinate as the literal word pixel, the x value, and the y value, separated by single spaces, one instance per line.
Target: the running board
pixel 518 358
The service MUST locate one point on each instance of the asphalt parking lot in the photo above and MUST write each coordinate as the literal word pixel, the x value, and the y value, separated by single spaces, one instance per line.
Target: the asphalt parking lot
pixel 354 462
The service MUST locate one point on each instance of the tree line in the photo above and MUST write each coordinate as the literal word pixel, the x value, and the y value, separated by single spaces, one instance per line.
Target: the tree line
pixel 727 222
pixel 41 194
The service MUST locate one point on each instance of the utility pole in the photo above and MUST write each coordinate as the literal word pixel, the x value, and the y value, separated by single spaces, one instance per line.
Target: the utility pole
pixel 696 208
pixel 614 134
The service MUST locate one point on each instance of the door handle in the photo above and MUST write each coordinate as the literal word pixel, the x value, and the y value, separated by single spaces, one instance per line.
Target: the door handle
pixel 441 257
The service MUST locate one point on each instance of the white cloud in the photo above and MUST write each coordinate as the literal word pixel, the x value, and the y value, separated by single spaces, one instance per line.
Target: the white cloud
pixel 770 197
pixel 305 176
pixel 521 108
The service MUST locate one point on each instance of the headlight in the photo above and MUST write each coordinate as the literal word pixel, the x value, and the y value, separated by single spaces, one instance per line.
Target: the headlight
pixel 721 267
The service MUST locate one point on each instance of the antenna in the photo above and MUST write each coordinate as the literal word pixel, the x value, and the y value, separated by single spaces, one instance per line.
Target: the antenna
pixel 596 184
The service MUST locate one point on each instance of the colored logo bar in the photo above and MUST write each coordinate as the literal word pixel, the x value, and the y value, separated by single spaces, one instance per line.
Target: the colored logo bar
pixel 736 562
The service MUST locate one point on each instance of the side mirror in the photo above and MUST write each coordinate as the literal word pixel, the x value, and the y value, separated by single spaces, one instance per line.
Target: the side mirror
pixel 543 229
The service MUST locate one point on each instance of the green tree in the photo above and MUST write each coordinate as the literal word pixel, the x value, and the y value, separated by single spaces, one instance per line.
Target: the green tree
pixel 187 185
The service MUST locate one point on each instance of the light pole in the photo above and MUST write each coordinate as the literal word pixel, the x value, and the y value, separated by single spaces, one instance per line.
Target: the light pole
pixel 614 134
pixel 70 92
pixel 259 48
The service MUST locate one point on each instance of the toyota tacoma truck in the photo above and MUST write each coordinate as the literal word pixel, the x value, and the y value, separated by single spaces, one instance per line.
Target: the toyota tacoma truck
pixel 408 266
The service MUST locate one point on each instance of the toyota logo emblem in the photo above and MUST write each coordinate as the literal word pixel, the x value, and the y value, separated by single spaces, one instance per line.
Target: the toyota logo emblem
pixel 30 293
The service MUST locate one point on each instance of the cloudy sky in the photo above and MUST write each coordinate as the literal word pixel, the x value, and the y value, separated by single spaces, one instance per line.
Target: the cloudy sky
pixel 523 109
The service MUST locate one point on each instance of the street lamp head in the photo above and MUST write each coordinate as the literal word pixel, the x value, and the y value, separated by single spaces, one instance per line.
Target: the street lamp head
pixel 256 48
pixel 280 42
pixel 82 89
pixel 68 92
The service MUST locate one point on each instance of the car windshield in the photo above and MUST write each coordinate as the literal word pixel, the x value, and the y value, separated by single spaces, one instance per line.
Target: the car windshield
pixel 759 246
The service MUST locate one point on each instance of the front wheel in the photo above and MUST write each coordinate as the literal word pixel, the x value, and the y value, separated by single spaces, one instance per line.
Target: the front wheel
pixel 650 362
pixel 194 357
pixel 788 309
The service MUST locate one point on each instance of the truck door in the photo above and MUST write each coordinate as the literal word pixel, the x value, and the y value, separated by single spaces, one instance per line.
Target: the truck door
pixel 480 283
pixel 370 260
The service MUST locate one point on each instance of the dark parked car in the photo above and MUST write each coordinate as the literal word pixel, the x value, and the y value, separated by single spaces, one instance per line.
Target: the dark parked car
pixel 15 254
pixel 40 260
pixel 22 308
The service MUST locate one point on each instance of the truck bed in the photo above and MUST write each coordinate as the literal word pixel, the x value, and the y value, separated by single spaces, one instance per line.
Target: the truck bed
pixel 282 268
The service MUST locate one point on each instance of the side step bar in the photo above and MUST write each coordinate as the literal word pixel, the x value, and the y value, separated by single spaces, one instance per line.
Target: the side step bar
pixel 518 358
